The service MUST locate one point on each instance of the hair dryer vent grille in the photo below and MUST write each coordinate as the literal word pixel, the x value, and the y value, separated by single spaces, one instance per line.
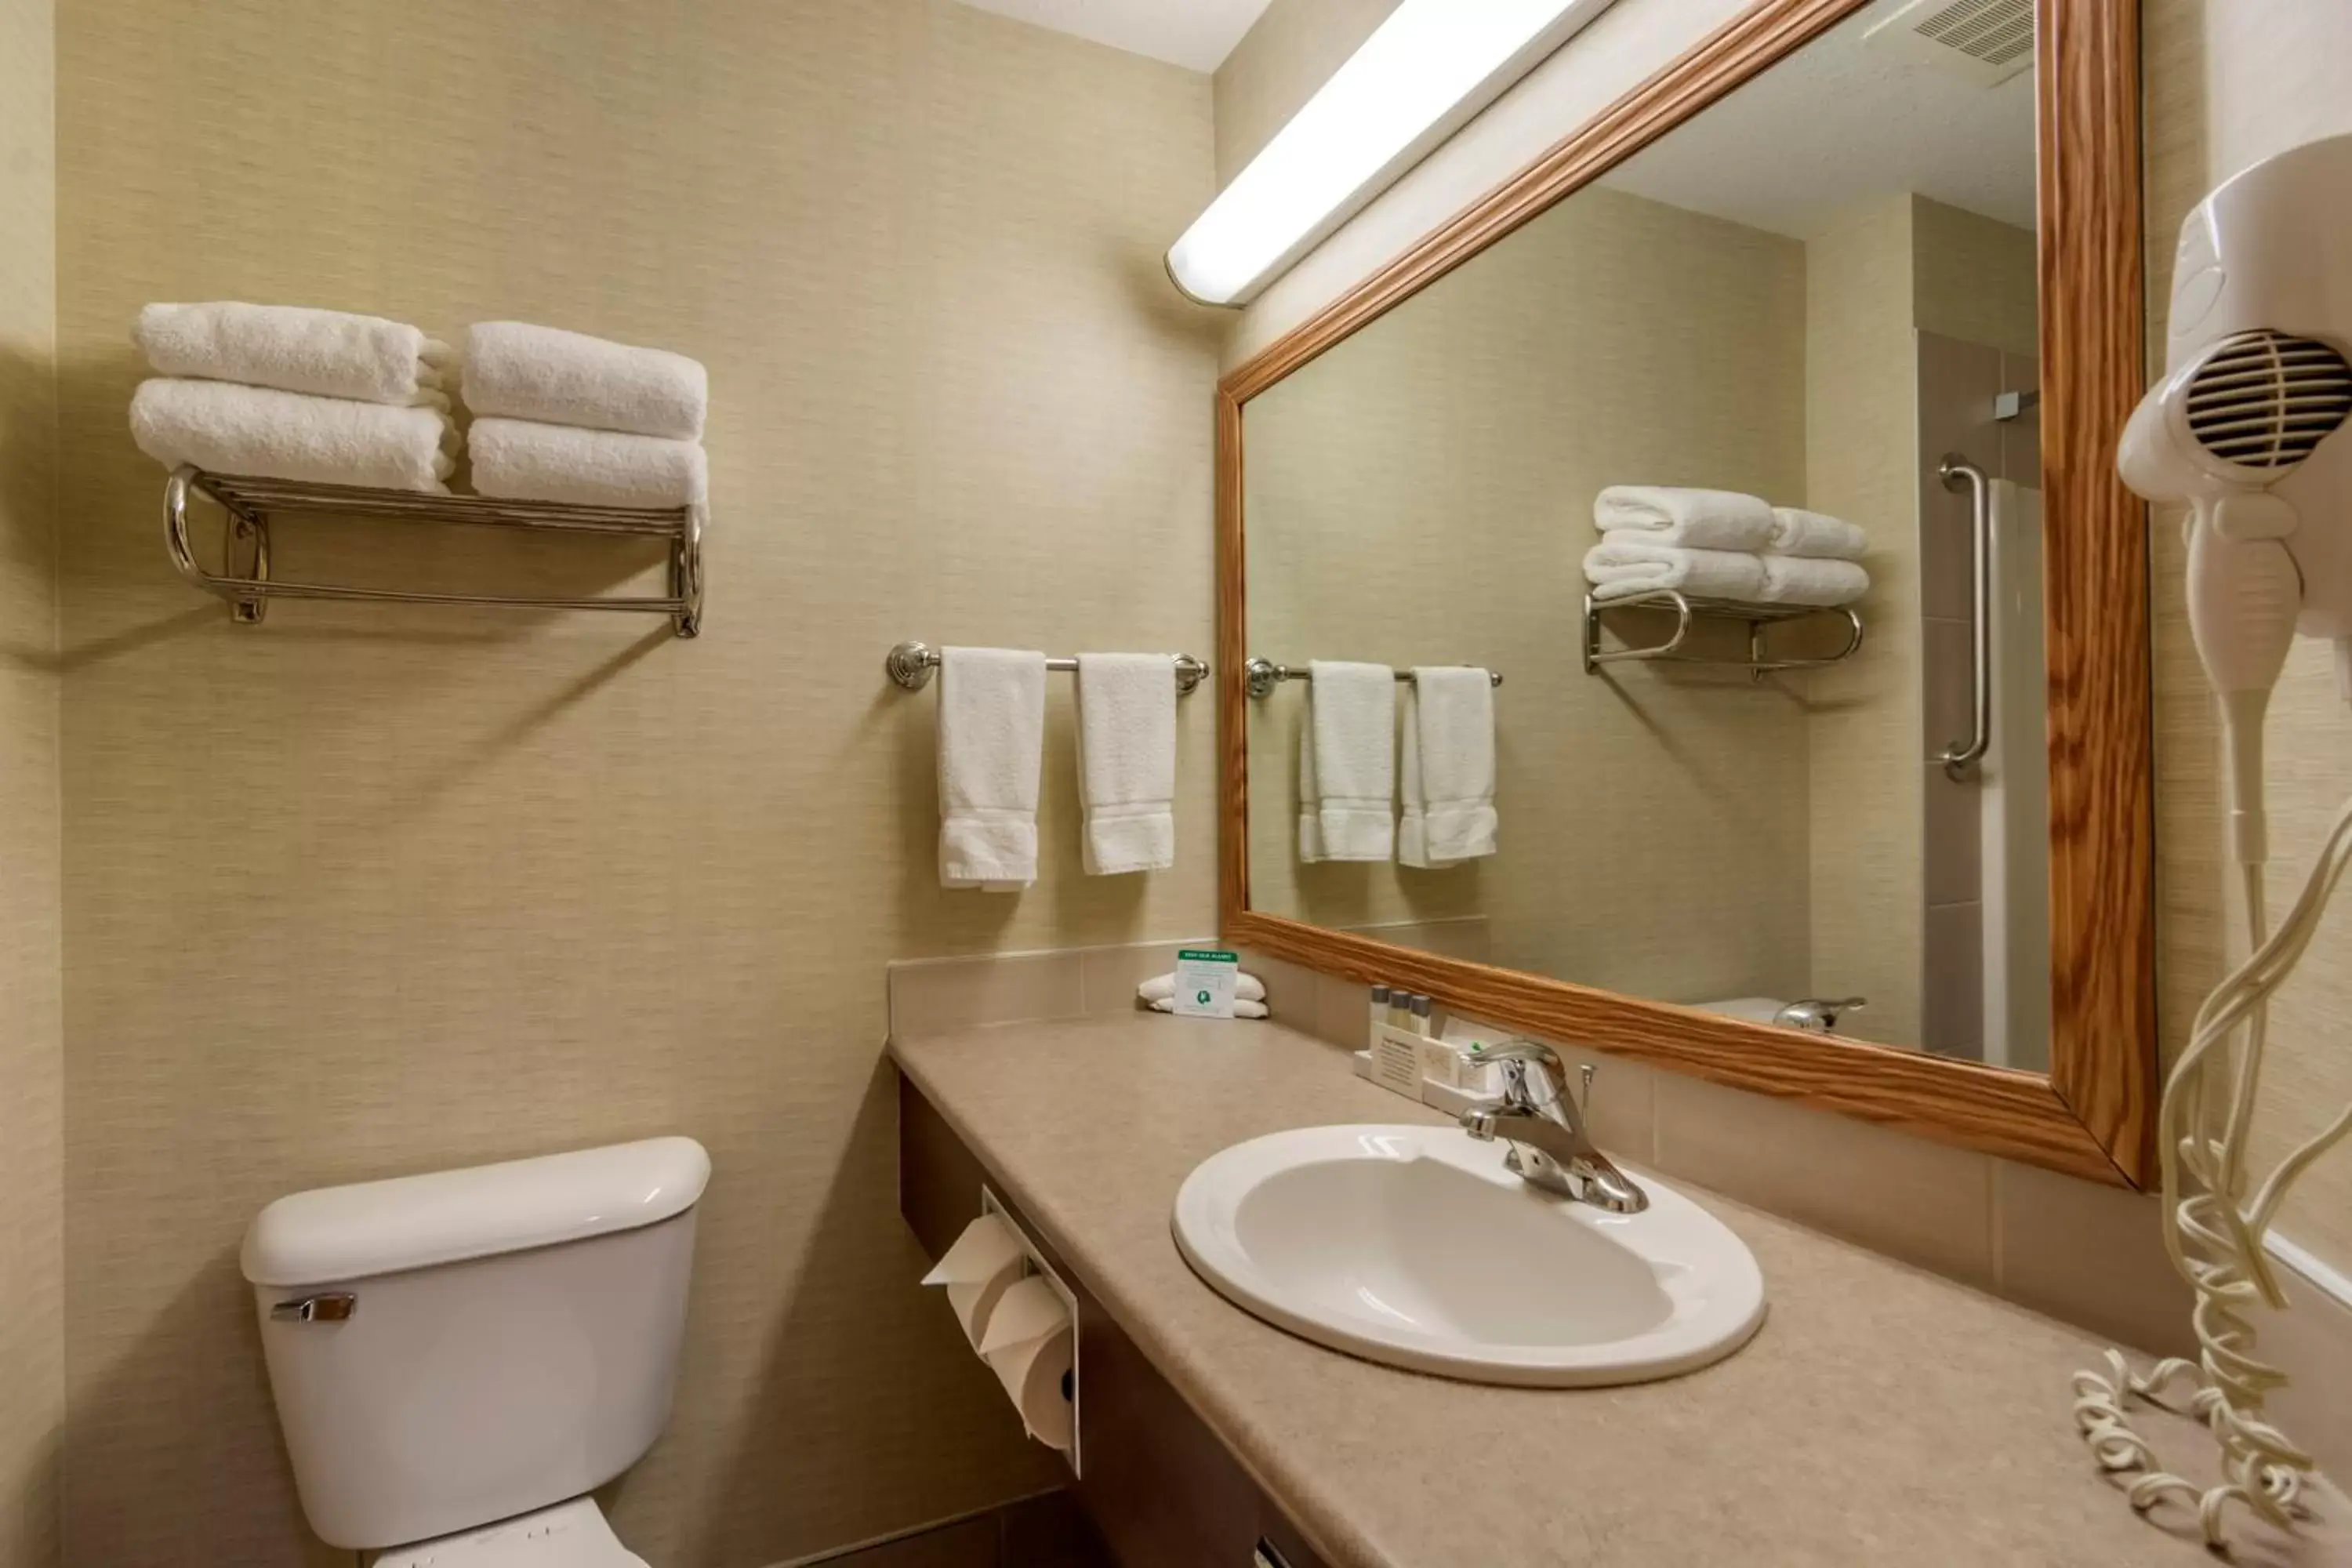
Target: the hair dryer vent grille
pixel 2264 400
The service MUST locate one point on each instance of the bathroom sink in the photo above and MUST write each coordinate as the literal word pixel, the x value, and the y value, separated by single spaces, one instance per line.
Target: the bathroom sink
pixel 1413 1246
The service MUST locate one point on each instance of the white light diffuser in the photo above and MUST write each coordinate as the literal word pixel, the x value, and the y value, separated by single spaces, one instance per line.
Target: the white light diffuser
pixel 1417 79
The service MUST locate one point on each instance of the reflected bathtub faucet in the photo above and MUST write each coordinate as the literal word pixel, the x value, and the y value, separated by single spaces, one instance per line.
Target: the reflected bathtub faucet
pixel 1816 1014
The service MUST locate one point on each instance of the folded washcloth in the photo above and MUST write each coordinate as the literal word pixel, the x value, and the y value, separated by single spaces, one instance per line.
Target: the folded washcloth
pixel 518 460
pixel 1815 535
pixel 1695 520
pixel 225 428
pixel 991 734
pixel 293 348
pixel 1241 1009
pixel 1449 767
pixel 517 371
pixel 1162 988
pixel 1625 565
pixel 1354 762
pixel 1796 580
pixel 1127 761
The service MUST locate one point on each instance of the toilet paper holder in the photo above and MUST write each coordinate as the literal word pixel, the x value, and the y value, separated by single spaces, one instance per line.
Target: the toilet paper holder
pixel 1033 1265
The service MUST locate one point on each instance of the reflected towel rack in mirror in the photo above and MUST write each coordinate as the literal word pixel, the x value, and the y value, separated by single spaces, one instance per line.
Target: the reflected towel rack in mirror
pixel 1264 675
pixel 251 503
pixel 910 665
pixel 1688 611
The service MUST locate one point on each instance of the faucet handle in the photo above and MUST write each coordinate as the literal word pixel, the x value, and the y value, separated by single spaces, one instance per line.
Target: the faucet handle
pixel 1585 1074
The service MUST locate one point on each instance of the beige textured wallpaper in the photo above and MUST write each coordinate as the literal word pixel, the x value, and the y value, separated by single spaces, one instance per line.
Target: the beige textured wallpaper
pixel 32 1066
pixel 1423 494
pixel 369 891
pixel 2227 85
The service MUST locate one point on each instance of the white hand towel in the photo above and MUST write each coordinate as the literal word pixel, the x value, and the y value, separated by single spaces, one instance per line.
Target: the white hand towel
pixel 517 371
pixel 991 735
pixel 518 460
pixel 1126 761
pixel 1311 795
pixel 1354 721
pixel 1815 535
pixel 230 429
pixel 1795 580
pixel 1449 766
pixel 1162 988
pixel 293 348
pixel 1695 520
pixel 1241 1009
pixel 1623 565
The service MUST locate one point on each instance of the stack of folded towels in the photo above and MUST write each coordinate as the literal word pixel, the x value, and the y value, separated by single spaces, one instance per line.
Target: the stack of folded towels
pixel 288 393
pixel 1721 544
pixel 561 416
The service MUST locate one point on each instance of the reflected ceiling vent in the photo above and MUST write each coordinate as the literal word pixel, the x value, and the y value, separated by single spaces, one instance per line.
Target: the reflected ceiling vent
pixel 1986 41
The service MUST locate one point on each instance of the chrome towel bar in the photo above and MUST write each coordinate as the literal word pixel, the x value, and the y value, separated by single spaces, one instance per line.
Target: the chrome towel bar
pixel 1688 611
pixel 1264 675
pixel 252 502
pixel 910 664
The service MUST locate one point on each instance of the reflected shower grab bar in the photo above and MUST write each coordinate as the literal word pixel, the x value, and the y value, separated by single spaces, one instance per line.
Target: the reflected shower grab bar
pixel 1957 473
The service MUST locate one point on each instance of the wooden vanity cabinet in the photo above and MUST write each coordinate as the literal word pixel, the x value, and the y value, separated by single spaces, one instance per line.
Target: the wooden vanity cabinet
pixel 1158 1484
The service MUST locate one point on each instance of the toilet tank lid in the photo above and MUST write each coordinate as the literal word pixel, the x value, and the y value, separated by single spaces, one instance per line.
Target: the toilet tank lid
pixel 446 1216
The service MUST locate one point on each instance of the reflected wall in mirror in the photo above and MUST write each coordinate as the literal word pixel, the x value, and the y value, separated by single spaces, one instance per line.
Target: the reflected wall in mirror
pixel 1811 292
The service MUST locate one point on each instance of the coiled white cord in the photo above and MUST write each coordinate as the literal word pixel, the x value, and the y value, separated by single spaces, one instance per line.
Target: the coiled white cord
pixel 2215 1232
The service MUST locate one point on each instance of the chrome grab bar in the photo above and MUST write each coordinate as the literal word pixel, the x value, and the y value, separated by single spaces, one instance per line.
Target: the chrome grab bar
pixel 1959 473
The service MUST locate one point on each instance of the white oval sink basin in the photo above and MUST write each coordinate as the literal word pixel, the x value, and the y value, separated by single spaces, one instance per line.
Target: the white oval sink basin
pixel 1413 1246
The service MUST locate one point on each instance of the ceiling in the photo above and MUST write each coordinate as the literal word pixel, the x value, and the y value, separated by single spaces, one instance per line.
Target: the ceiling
pixel 1835 124
pixel 1195 34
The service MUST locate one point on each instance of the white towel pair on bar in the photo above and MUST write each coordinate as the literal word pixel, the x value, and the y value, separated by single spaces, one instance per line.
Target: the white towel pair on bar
pixel 564 416
pixel 1347 778
pixel 992 725
pixel 285 392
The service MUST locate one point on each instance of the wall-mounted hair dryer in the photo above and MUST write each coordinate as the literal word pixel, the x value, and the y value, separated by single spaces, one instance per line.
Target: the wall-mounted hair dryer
pixel 2243 428
pixel 2255 382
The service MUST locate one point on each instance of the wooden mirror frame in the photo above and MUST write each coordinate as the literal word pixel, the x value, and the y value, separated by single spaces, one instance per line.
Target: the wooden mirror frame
pixel 2093 1113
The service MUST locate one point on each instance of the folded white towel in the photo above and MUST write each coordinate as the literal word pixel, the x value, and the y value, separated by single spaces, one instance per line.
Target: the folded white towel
pixel 517 371
pixel 1247 987
pixel 1354 722
pixel 225 428
pixel 1796 580
pixel 991 735
pixel 1126 761
pixel 1241 1009
pixel 518 460
pixel 1449 767
pixel 1815 535
pixel 1695 520
pixel 1624 564
pixel 293 348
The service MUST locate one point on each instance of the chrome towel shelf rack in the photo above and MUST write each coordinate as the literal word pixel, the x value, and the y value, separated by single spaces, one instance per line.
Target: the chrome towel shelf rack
pixel 910 664
pixel 244 580
pixel 1263 675
pixel 1689 611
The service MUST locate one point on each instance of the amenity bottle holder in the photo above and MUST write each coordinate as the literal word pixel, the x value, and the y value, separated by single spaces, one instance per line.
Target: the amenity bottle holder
pixel 245 582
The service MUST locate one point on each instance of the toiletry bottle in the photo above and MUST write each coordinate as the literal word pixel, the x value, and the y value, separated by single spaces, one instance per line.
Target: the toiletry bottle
pixel 1380 1013
pixel 1421 1006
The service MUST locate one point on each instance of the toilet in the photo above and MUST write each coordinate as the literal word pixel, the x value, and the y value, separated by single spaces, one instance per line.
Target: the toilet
pixel 459 1359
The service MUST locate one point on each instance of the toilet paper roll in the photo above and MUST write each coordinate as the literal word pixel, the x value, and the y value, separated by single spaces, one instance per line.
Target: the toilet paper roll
pixel 1033 1373
pixel 984 1262
pixel 1029 1311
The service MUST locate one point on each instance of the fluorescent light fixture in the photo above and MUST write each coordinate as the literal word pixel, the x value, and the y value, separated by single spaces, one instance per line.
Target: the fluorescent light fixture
pixel 1422 76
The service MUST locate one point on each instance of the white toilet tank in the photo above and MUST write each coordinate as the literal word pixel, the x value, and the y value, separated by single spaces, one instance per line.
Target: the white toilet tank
pixel 452 1349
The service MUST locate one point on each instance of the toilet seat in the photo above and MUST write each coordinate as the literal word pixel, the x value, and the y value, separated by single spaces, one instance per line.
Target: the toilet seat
pixel 568 1535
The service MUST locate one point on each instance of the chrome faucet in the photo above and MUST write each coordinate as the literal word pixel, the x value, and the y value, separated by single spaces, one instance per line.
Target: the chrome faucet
pixel 1817 1014
pixel 1545 1128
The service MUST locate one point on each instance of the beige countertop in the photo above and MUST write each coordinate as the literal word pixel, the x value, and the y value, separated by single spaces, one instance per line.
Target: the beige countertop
pixel 1882 1417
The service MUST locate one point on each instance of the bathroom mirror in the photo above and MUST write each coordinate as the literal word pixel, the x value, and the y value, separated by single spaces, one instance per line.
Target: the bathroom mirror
pixel 1847 262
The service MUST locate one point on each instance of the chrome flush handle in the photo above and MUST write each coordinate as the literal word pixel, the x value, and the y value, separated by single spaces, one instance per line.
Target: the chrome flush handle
pixel 330 1307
